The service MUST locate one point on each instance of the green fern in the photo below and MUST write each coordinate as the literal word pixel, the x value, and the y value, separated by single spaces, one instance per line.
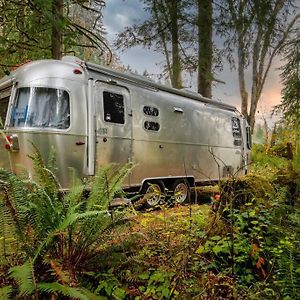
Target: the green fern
pixel 51 163
pixel 57 288
pixel 8 236
pixel 15 201
pixel 24 275
pixel 5 292
pixel 74 197
pixel 288 270
pixel 48 228
pixel 44 176
pixel 67 291
pixel 107 182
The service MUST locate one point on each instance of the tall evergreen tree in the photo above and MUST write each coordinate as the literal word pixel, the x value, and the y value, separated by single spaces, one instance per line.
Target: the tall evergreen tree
pixel 290 104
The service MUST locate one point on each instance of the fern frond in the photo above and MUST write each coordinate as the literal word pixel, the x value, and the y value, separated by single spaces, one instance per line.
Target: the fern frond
pixel 51 164
pixel 5 292
pixel 287 268
pixel 15 199
pixel 69 220
pixel 66 222
pixel 74 196
pixel 8 235
pixel 117 178
pixel 24 275
pixel 57 288
pixel 99 190
pixel 15 187
pixel 43 175
pixel 41 212
pixel 107 182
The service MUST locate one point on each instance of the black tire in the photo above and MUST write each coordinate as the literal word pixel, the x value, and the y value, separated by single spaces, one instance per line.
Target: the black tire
pixel 181 191
pixel 153 192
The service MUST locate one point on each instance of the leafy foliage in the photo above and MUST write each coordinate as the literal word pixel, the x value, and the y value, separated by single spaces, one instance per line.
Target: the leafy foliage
pixel 249 250
pixel 29 28
pixel 291 80
pixel 68 245
pixel 49 239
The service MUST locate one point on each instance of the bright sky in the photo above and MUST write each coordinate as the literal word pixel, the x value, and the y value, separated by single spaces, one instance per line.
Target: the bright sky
pixel 119 13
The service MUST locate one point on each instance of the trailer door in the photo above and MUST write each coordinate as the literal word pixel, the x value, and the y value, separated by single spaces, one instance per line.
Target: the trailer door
pixel 113 124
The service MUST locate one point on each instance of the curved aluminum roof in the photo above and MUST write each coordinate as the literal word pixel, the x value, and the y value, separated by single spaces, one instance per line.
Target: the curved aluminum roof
pixel 143 81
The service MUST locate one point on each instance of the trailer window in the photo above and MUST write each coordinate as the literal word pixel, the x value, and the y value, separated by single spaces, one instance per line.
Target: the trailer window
pixel 113 108
pixel 3 110
pixel 152 126
pixel 41 107
pixel 236 128
pixel 151 111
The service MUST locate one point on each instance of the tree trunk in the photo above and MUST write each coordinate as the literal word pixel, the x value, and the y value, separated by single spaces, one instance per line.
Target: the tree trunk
pixel 56 35
pixel 242 83
pixel 205 47
pixel 176 64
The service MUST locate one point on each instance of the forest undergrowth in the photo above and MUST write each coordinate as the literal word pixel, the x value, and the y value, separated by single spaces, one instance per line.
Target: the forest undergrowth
pixel 243 244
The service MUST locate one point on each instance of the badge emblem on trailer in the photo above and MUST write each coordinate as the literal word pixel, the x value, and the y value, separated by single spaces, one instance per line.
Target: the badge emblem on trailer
pixel 102 131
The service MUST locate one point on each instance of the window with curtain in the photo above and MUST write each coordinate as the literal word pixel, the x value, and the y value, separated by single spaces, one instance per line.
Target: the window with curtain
pixel 41 107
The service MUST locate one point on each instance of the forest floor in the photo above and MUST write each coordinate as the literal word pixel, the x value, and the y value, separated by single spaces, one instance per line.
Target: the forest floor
pixel 248 250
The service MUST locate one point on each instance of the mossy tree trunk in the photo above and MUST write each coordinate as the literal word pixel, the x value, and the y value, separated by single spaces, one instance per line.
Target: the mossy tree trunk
pixel 56 37
pixel 205 47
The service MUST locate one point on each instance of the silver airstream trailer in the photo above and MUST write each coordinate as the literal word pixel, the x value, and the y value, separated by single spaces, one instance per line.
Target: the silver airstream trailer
pixel 92 115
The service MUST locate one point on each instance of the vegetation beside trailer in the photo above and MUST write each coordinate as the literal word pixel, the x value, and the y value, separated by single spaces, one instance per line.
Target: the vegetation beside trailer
pixel 76 248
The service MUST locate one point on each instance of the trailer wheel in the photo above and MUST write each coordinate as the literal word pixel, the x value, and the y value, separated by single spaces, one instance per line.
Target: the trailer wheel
pixel 181 191
pixel 153 192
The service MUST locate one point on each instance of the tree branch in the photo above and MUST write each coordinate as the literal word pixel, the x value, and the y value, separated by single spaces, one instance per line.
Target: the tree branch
pixel 278 47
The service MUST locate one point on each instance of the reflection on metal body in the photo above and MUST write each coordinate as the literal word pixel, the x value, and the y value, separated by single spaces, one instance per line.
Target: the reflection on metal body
pixel 166 133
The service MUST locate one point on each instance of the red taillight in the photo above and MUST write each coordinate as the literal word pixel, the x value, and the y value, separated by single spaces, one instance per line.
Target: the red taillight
pixel 77 71
pixel 8 147
pixel 12 143
pixel 8 144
